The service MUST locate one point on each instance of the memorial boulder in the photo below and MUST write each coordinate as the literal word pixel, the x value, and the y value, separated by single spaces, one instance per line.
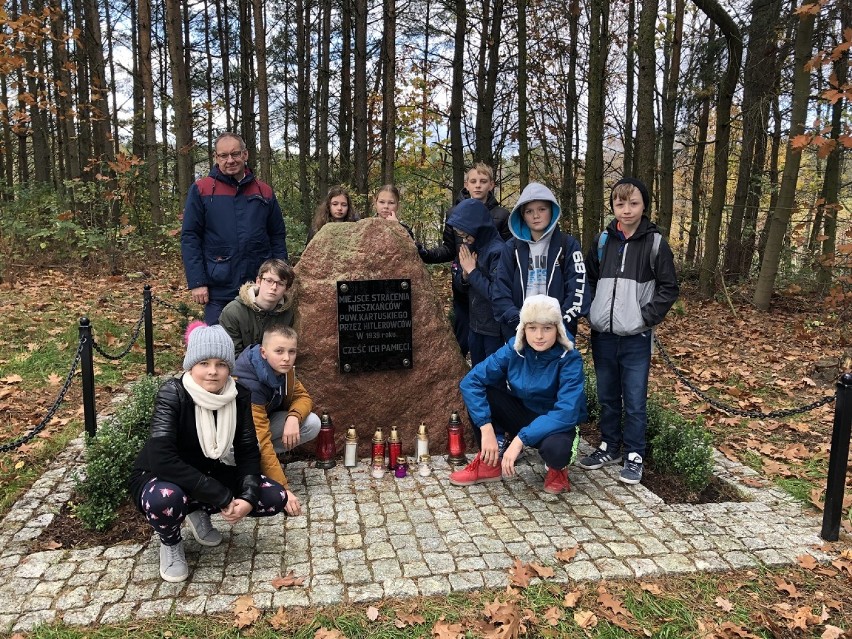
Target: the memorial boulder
pixel 375 346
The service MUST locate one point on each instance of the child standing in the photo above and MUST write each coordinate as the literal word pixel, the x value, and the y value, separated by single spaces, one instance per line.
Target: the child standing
pixel 634 284
pixel 201 456
pixel 532 389
pixel 336 207
pixel 280 405
pixel 539 260
pixel 479 258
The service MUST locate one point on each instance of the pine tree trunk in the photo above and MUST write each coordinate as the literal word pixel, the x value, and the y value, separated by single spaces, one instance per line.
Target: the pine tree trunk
pixel 646 138
pixel 264 163
pixel 180 97
pixel 669 113
pixel 457 98
pixel 150 130
pixel 389 91
pixel 523 141
pixel 360 101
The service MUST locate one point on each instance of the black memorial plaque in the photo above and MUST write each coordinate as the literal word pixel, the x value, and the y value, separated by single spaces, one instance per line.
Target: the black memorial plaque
pixel 374 325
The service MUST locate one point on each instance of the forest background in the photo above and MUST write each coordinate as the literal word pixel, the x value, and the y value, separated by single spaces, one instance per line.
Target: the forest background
pixel 736 113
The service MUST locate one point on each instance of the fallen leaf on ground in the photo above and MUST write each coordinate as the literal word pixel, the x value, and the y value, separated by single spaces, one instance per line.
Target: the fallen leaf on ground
pixel 245 612
pixel 372 613
pixel 730 629
pixel 608 601
pixel 784 586
pixel 832 632
pixel 53 379
pixel 408 619
pixel 542 571
pixel 279 619
pixel 12 379
pixel 807 561
pixel 290 579
pixel 325 633
pixel 446 630
pixel 585 619
pixel 520 574
pixel 803 618
pixel 567 554
pixel 572 598
pixel 724 604
pixel 654 589
pixel 553 616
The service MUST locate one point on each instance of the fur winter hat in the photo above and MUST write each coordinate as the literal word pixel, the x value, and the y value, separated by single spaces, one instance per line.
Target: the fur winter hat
pixel 542 310
pixel 206 342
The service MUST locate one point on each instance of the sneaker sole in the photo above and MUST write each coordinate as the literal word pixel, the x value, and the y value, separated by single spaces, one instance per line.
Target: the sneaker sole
pixel 174 579
pixel 553 491
pixel 616 460
pixel 199 538
pixel 625 480
pixel 455 482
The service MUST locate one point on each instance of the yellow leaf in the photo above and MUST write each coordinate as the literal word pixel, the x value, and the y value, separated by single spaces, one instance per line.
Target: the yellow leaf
pixel 19 465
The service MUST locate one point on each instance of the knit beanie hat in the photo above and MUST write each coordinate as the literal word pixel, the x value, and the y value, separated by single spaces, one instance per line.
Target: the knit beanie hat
pixel 207 342
pixel 542 310
pixel 639 184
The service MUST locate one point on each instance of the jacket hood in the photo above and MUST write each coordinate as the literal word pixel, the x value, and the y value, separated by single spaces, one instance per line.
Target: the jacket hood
pixel 247 296
pixel 534 191
pixel 472 217
pixel 264 372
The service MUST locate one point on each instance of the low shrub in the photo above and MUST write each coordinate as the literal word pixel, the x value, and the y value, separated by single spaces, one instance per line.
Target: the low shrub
pixel 678 446
pixel 110 455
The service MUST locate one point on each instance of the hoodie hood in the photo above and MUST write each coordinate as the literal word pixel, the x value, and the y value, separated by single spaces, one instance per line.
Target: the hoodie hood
pixel 472 217
pixel 534 191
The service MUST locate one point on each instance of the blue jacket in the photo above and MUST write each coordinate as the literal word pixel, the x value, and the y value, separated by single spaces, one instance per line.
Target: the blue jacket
pixel 549 383
pixel 566 271
pixel 229 229
pixel 472 217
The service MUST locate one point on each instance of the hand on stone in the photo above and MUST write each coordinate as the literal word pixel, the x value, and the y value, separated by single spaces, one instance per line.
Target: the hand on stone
pixel 510 455
pixel 294 506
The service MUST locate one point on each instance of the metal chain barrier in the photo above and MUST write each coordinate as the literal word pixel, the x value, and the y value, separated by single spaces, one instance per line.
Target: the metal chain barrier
pixel 133 339
pixel 59 399
pixel 756 414
pixel 182 309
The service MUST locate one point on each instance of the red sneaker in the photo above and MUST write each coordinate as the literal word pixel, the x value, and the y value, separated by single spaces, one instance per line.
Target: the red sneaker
pixel 476 472
pixel 556 481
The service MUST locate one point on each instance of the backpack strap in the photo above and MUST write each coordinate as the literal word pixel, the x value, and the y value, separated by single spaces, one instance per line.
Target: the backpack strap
pixel 602 238
pixel 655 248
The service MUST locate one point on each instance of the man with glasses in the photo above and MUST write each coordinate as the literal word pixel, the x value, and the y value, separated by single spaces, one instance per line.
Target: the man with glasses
pixel 260 304
pixel 231 224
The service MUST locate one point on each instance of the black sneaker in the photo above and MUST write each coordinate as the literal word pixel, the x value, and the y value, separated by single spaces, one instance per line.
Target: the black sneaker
pixel 600 458
pixel 632 471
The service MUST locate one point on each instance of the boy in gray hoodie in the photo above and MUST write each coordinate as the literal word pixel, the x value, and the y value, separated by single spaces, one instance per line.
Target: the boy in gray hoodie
pixel 539 260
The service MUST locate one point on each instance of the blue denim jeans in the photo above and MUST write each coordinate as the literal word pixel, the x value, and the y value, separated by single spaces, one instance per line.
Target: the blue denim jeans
pixel 622 364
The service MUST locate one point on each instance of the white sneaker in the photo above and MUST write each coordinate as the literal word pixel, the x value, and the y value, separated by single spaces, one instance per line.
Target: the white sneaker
pixel 202 529
pixel 173 565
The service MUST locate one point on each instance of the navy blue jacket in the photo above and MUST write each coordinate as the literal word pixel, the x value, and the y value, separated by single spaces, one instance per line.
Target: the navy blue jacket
pixel 472 217
pixel 229 229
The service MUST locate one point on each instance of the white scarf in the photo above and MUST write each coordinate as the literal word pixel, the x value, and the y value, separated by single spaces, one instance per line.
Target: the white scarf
pixel 215 434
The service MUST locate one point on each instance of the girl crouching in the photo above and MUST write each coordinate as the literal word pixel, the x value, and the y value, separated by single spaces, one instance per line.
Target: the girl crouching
pixel 202 456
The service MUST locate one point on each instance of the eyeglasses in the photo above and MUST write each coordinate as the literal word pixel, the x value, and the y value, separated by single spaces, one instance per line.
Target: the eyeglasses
pixel 234 155
pixel 463 236
pixel 272 282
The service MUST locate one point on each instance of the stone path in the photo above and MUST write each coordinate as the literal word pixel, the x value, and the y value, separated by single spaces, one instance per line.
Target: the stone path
pixel 361 539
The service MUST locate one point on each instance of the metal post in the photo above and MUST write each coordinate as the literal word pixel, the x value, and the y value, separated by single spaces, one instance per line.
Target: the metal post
pixel 87 371
pixel 149 329
pixel 837 460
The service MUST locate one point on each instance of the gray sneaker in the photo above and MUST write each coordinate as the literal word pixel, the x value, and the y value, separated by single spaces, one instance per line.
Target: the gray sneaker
pixel 173 565
pixel 202 529
pixel 600 458
pixel 632 471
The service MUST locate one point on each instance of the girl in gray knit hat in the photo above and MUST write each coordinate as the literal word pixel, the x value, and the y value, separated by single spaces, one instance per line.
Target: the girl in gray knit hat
pixel 202 455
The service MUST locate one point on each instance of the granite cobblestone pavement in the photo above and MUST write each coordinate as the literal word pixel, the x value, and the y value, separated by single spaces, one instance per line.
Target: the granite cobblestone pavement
pixel 361 539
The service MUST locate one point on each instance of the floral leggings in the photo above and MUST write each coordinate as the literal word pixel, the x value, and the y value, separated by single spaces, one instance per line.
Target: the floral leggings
pixel 166 505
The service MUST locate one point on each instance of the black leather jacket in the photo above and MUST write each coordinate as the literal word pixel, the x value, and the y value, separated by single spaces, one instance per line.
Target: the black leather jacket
pixel 172 452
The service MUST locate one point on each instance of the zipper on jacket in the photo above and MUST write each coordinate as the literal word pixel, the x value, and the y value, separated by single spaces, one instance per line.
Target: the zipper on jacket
pixel 620 269
pixel 553 272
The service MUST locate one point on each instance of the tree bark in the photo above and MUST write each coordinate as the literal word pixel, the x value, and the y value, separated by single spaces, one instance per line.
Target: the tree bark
pixel 180 96
pixel 225 48
pixel 360 101
pixel 345 114
pixel 523 141
pixel 389 91
pixel 457 97
pixel 787 194
pixel 568 190
pixel 303 121
pixel 628 165
pixel 733 40
pixel 324 78
pixel 593 200
pixel 646 138
pixel 65 107
pixel 669 116
pixel 489 52
pixel 264 163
